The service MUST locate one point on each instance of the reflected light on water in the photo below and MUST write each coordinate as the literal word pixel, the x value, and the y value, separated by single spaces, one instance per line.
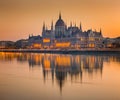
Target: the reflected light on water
pixel 63 72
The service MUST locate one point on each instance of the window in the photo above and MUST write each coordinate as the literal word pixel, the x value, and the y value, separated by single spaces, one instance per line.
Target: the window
pixel 91 45
pixel 91 38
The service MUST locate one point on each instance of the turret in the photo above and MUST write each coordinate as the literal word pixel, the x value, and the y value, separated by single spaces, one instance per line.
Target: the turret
pixel 43 30
pixel 70 24
pixel 75 24
pixel 59 15
pixel 29 36
pixel 43 27
pixel 80 26
pixel 52 26
pixel 100 31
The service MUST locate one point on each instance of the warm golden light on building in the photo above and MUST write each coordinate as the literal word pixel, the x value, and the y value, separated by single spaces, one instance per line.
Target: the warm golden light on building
pixel 63 44
pixel 36 45
pixel 46 40
pixel 91 45
pixel 91 39
pixel 109 45
pixel 82 39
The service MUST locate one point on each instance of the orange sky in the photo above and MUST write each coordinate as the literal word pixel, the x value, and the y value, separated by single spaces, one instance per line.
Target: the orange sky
pixel 19 18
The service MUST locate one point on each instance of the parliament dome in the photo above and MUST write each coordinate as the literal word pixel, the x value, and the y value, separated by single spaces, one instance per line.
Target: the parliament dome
pixel 60 22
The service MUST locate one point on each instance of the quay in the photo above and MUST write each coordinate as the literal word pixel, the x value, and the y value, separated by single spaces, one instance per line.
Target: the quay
pixel 64 51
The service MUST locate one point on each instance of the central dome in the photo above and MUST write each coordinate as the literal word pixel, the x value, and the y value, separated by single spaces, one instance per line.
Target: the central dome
pixel 60 22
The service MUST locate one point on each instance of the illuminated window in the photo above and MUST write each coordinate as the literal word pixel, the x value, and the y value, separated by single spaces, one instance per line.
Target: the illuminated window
pixel 109 45
pixel 63 44
pixel 82 39
pixel 91 38
pixel 36 45
pixel 92 45
pixel 46 40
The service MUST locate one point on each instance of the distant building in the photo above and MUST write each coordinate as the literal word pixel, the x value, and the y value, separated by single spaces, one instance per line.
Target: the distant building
pixel 111 42
pixel 6 44
pixel 34 42
pixel 21 44
pixel 61 36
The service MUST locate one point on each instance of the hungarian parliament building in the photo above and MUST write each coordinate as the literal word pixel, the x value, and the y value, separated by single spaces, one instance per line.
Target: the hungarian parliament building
pixel 62 36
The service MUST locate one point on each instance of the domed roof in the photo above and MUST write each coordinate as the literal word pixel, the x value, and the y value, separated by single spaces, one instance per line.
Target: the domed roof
pixel 60 22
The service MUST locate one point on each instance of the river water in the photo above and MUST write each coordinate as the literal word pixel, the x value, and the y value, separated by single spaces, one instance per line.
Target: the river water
pixel 37 76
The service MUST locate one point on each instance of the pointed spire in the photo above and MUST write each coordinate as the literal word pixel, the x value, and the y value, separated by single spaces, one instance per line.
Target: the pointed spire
pixel 75 24
pixel 43 26
pixel 52 25
pixel 70 24
pixel 100 31
pixel 66 25
pixel 59 15
pixel 80 26
pixel 29 35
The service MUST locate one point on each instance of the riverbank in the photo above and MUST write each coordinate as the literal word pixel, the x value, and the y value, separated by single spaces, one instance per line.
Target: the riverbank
pixel 64 51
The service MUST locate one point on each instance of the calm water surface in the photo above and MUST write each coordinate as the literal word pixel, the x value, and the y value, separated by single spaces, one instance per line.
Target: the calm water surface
pixel 35 76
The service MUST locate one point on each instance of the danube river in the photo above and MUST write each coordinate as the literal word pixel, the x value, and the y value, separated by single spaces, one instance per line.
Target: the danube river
pixel 39 76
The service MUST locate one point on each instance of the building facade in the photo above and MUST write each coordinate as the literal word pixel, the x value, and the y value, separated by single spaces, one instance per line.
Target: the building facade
pixel 61 36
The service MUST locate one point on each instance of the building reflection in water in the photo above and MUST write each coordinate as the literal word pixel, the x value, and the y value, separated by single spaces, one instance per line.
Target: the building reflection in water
pixel 62 67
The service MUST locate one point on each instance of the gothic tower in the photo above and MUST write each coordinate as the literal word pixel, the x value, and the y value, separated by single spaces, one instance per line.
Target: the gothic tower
pixel 60 28
pixel 43 29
